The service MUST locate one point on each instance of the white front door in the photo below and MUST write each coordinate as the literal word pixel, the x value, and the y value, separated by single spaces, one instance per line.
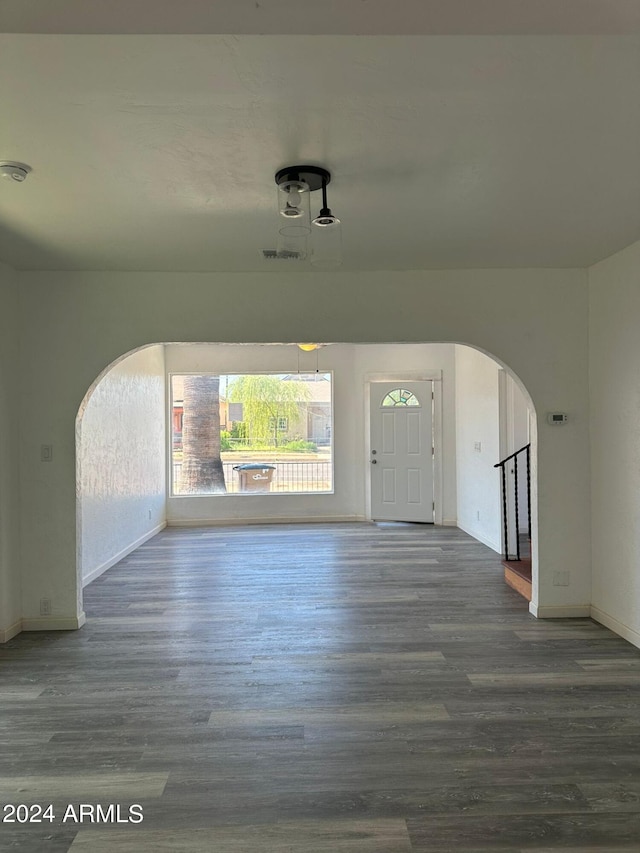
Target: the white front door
pixel 401 458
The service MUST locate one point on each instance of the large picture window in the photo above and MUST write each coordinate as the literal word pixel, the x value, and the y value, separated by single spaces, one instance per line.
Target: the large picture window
pixel 251 433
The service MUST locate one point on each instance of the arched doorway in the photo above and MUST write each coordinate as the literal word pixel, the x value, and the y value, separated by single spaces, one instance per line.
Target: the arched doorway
pixel 120 503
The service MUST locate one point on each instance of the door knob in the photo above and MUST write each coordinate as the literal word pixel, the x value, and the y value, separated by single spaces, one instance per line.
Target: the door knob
pixel 374 461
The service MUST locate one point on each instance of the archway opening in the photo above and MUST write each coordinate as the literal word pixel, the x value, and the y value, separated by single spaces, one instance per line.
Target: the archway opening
pixel 124 442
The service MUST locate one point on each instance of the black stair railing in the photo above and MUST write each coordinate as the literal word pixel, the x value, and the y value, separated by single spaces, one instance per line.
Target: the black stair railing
pixel 526 450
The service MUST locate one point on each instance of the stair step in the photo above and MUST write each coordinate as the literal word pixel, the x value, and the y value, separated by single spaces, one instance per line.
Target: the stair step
pixel 520 567
pixel 517 573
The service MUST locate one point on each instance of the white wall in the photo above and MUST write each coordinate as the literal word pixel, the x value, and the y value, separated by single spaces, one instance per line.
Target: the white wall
pixel 614 330
pixel 351 364
pixel 74 324
pixel 477 426
pixel 10 605
pixel 121 461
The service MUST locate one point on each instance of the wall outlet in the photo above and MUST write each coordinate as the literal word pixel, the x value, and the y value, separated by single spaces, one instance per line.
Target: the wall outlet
pixel 149 515
pixel 45 607
pixel 478 515
pixel 477 446
pixel 46 452
pixel 561 578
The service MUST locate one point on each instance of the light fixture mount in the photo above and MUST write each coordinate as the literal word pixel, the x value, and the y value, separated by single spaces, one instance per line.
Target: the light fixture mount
pixel 315 177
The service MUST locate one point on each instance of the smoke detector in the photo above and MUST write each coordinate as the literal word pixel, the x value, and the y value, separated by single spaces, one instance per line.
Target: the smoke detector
pixel 12 171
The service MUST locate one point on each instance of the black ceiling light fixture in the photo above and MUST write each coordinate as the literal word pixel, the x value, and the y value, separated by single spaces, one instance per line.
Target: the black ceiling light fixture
pixel 298 236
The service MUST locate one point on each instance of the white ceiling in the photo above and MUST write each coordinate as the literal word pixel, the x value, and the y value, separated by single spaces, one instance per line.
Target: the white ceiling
pixel 157 152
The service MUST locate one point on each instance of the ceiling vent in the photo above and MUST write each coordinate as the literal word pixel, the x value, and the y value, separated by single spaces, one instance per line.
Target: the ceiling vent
pixel 283 255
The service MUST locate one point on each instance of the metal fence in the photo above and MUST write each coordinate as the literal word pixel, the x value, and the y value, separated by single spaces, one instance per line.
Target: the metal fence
pixel 296 476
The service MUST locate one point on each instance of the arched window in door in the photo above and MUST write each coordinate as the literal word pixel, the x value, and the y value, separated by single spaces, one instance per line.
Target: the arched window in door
pixel 400 397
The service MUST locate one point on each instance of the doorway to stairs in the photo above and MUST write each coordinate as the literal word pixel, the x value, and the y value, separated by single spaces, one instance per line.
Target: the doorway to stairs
pixel 516 429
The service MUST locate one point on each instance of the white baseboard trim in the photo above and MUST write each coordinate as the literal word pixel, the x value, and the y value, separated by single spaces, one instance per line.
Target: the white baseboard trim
pixel 481 538
pixel 449 522
pixel 54 623
pixel 10 632
pixel 100 570
pixel 619 628
pixel 566 611
pixel 293 519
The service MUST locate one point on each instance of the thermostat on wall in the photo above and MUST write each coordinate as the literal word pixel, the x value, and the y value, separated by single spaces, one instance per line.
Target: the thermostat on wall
pixel 556 418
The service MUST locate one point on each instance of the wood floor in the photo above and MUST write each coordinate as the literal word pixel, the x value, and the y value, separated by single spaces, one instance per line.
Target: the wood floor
pixel 321 689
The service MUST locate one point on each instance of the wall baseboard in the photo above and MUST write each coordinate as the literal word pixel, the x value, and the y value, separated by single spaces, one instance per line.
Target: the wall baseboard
pixel 581 611
pixel 449 522
pixel 100 570
pixel 566 611
pixel 619 628
pixel 54 623
pixel 293 519
pixel 10 632
pixel 481 538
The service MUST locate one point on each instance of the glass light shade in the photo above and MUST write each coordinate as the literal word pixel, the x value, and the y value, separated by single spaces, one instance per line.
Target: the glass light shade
pixel 326 244
pixel 293 245
pixel 293 203
pixel 308 347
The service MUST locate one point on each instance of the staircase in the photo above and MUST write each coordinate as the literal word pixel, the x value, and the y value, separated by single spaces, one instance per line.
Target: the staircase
pixel 516 545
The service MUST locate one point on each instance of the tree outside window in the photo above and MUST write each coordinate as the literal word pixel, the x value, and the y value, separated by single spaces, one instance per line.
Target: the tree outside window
pixel 222 425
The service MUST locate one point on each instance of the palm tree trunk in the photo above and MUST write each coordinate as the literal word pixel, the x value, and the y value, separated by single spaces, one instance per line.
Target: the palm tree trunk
pixel 201 471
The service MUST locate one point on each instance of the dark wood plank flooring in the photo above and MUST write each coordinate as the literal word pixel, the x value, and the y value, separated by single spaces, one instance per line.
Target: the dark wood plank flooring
pixel 325 689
